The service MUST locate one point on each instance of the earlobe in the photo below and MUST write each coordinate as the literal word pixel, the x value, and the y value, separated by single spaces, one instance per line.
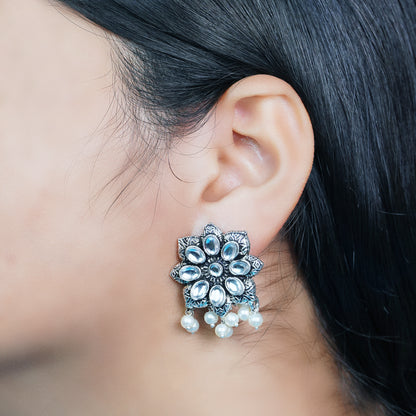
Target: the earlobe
pixel 264 154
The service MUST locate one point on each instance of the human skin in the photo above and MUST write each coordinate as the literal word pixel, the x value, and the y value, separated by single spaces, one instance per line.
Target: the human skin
pixel 89 317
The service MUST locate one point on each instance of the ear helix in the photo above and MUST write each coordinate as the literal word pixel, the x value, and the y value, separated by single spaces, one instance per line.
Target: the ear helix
pixel 217 271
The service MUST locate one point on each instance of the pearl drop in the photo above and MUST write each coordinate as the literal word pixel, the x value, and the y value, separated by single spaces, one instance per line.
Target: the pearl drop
pixel 210 318
pixel 231 319
pixel 244 312
pixel 255 319
pixel 187 321
pixel 223 331
pixel 194 327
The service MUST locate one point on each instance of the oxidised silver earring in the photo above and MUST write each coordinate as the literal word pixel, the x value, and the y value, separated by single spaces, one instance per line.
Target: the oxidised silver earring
pixel 218 272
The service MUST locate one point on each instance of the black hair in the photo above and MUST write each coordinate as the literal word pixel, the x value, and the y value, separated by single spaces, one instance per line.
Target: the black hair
pixel 353 232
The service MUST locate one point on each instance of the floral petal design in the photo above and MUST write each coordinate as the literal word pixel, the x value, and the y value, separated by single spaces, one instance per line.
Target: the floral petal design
pixel 249 296
pixel 191 303
pixel 174 274
pixel 212 229
pixel 184 242
pixel 241 238
pixel 256 265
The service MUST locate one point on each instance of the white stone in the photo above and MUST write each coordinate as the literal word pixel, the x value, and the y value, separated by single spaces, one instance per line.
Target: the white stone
pixel 217 296
pixel 199 290
pixel 215 269
pixel 244 312
pixel 211 245
pixel 189 273
pixel 195 255
pixel 230 251
pixel 235 286
pixel 240 267
pixel 231 319
pixel 255 319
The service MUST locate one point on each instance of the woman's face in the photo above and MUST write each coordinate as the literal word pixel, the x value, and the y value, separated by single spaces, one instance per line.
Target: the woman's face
pixel 69 265
pixel 88 314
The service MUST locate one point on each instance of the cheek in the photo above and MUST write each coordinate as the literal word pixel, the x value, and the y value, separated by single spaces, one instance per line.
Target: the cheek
pixel 69 274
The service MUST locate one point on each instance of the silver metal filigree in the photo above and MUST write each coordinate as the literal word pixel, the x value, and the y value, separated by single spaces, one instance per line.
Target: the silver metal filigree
pixel 217 271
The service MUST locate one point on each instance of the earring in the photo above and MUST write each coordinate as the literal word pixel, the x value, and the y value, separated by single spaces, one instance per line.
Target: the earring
pixel 217 270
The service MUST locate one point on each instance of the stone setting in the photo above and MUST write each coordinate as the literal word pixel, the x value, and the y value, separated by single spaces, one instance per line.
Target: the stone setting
pixel 217 296
pixel 211 245
pixel 215 269
pixel 195 255
pixel 199 290
pixel 229 251
pixel 189 273
pixel 235 286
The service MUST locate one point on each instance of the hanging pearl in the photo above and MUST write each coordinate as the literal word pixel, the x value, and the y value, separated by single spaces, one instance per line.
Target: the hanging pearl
pixel 231 319
pixel 187 321
pixel 223 331
pixel 211 318
pixel 194 327
pixel 244 312
pixel 255 319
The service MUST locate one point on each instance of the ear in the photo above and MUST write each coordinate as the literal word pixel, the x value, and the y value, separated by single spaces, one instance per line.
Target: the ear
pixel 252 172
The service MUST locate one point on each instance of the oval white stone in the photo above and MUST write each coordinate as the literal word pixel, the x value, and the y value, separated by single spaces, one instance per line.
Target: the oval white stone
pixel 230 251
pixel 215 269
pixel 195 255
pixel 189 273
pixel 235 286
pixel 199 290
pixel 211 244
pixel 240 267
pixel 217 296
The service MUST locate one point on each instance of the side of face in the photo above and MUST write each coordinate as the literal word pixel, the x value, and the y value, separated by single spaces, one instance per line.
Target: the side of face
pixel 61 258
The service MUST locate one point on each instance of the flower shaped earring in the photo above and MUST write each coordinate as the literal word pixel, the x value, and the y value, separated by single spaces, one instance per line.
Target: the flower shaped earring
pixel 217 270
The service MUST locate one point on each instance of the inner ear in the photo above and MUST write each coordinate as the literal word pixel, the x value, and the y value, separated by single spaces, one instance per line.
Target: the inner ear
pixel 245 162
pixel 260 163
